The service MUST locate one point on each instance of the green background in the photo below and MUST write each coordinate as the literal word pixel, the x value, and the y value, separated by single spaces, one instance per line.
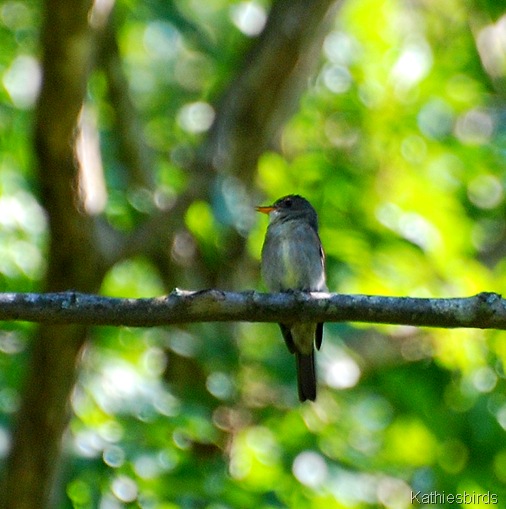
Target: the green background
pixel 399 142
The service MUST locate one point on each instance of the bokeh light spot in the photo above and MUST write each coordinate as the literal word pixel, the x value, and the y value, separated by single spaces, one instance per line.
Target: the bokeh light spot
pixel 249 17
pixel 22 80
pixel 310 468
pixel 485 191
pixel 196 117
pixel 124 488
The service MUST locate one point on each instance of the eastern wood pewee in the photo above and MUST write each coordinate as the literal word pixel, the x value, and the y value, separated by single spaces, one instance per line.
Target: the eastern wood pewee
pixel 293 259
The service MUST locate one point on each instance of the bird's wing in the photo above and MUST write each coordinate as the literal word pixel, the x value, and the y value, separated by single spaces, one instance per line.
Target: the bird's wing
pixel 319 335
pixel 287 336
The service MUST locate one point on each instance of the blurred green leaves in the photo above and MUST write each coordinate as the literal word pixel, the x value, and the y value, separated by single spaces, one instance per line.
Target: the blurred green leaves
pixel 399 144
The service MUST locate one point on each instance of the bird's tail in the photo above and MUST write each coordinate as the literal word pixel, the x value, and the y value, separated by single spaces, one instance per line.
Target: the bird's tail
pixel 306 376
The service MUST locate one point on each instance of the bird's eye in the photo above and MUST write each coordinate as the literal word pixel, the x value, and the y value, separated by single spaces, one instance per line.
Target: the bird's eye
pixel 288 202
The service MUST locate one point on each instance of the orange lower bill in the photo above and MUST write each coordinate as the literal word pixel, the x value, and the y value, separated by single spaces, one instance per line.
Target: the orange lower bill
pixel 265 210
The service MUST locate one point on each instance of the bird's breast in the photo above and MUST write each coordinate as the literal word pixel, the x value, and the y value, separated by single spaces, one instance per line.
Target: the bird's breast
pixel 291 259
pixel 289 275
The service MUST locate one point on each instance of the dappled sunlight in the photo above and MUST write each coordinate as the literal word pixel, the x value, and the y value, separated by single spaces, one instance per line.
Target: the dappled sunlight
pixel 196 117
pixel 351 488
pixel 484 379
pixel 255 458
pixel 249 17
pixel 124 488
pixel 413 64
pixel 23 80
pixel 91 173
pixel 100 12
pixel 492 48
pixel 121 388
pixel 340 370
pixel 20 211
pixel 22 230
pixel 337 78
pixel 5 442
pixel 88 443
pixel 162 40
pixel 391 124
pixel 11 343
pixel 435 120
pixel 485 191
pixel 310 468
pixel 409 225
pixel 134 278
pixel 475 127
pixel 220 385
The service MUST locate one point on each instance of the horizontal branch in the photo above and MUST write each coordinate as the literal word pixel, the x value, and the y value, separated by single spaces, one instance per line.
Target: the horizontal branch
pixel 484 311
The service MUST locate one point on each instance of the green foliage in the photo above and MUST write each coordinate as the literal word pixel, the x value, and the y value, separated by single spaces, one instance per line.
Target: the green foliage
pixel 399 144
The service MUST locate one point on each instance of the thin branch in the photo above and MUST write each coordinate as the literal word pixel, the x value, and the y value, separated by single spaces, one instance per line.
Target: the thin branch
pixel 484 311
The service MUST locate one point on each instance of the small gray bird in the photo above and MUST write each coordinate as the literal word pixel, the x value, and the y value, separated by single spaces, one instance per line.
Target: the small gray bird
pixel 293 259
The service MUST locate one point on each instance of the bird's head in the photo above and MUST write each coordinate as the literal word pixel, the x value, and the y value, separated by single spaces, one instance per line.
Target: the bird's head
pixel 290 207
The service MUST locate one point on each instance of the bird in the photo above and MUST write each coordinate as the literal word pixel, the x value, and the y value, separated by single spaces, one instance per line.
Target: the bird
pixel 293 260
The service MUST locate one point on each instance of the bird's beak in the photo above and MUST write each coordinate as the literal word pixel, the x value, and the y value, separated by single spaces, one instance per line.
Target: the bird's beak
pixel 266 210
